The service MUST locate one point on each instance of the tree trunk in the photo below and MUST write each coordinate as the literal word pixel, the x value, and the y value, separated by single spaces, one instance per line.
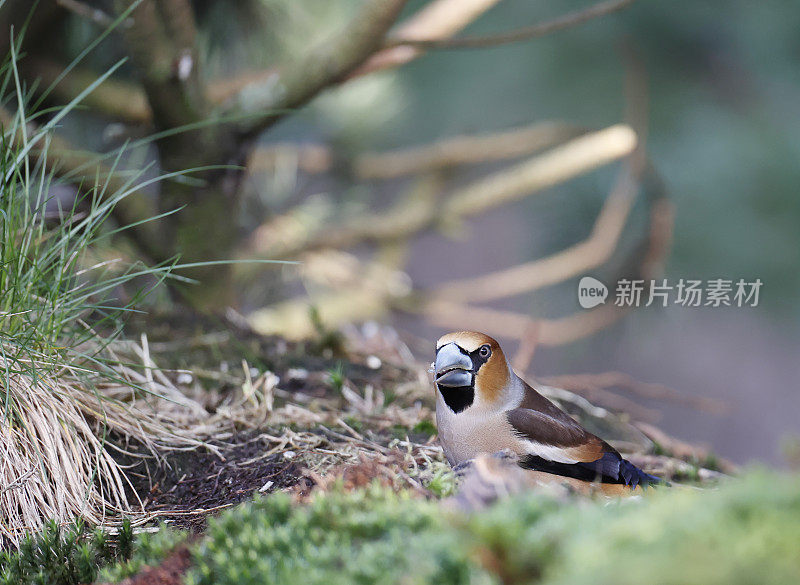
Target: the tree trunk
pixel 204 230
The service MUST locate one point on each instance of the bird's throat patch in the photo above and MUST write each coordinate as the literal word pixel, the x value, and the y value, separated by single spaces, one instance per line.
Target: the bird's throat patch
pixel 457 398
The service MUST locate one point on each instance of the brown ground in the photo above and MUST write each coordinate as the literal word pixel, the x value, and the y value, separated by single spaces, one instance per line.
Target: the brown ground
pixel 196 483
pixel 189 485
pixel 319 431
pixel 169 572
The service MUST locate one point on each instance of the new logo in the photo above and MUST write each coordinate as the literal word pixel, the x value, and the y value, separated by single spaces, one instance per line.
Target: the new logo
pixel 591 292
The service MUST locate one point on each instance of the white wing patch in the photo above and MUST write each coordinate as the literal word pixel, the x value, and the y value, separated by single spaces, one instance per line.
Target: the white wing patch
pixel 549 452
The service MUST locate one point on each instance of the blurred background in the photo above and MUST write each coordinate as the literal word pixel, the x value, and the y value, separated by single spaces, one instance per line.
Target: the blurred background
pixel 714 96
pixel 724 99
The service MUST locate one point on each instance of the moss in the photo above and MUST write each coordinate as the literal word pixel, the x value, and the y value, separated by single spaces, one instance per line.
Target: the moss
pixel 366 536
pixel 355 423
pixel 425 427
pixel 443 483
pixel 64 556
pixel 746 532
pixel 400 431
pixel 336 377
pixel 148 549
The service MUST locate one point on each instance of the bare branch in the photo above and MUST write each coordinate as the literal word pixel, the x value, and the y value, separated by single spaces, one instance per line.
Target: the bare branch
pixel 326 64
pixel 114 98
pixel 571 159
pixel 522 34
pixel 585 255
pixel 509 324
pixel 448 153
pixel 464 150
pixel 605 398
pixel 550 332
pixel 221 91
pixel 124 100
pixel 375 294
pixel 432 25
pixel 412 214
pixel 558 267
pixel 439 19
pixel 582 383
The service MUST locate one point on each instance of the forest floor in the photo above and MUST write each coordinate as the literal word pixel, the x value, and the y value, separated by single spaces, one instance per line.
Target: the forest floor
pixel 343 404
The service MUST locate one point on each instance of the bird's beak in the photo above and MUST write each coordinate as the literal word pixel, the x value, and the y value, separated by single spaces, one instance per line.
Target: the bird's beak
pixel 453 368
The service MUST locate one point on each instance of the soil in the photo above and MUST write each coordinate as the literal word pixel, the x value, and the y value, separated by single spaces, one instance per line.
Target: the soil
pixel 193 484
pixel 187 486
pixel 169 572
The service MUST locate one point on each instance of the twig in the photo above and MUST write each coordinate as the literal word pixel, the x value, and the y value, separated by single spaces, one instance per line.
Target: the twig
pixel 464 150
pixel 592 382
pixel 611 400
pixel 121 100
pixel 409 216
pixel 569 160
pixel 439 19
pixel 537 30
pixel 527 348
pixel 557 331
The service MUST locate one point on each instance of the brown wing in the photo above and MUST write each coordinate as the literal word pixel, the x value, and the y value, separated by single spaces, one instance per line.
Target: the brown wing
pixel 566 439
pixel 559 445
pixel 539 420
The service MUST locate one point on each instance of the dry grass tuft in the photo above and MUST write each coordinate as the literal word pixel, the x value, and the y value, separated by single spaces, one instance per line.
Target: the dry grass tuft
pixel 387 471
pixel 56 459
pixel 52 464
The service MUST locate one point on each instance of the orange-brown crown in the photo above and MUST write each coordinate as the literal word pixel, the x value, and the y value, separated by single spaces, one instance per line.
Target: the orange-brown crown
pixel 492 377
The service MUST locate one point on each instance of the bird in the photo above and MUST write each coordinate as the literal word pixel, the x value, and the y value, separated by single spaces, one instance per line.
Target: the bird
pixel 483 406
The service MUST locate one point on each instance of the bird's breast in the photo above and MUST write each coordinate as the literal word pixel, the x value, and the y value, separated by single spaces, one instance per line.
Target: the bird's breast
pixel 466 434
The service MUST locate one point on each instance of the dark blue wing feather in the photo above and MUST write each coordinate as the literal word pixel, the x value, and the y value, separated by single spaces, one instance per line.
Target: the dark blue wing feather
pixel 610 468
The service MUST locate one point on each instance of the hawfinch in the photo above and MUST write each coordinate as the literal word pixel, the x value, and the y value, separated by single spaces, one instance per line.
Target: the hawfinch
pixel 482 406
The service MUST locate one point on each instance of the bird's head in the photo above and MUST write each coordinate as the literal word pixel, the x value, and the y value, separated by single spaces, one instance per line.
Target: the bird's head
pixel 470 368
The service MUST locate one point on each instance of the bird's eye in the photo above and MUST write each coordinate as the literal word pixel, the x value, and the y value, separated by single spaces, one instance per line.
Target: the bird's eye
pixel 485 351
